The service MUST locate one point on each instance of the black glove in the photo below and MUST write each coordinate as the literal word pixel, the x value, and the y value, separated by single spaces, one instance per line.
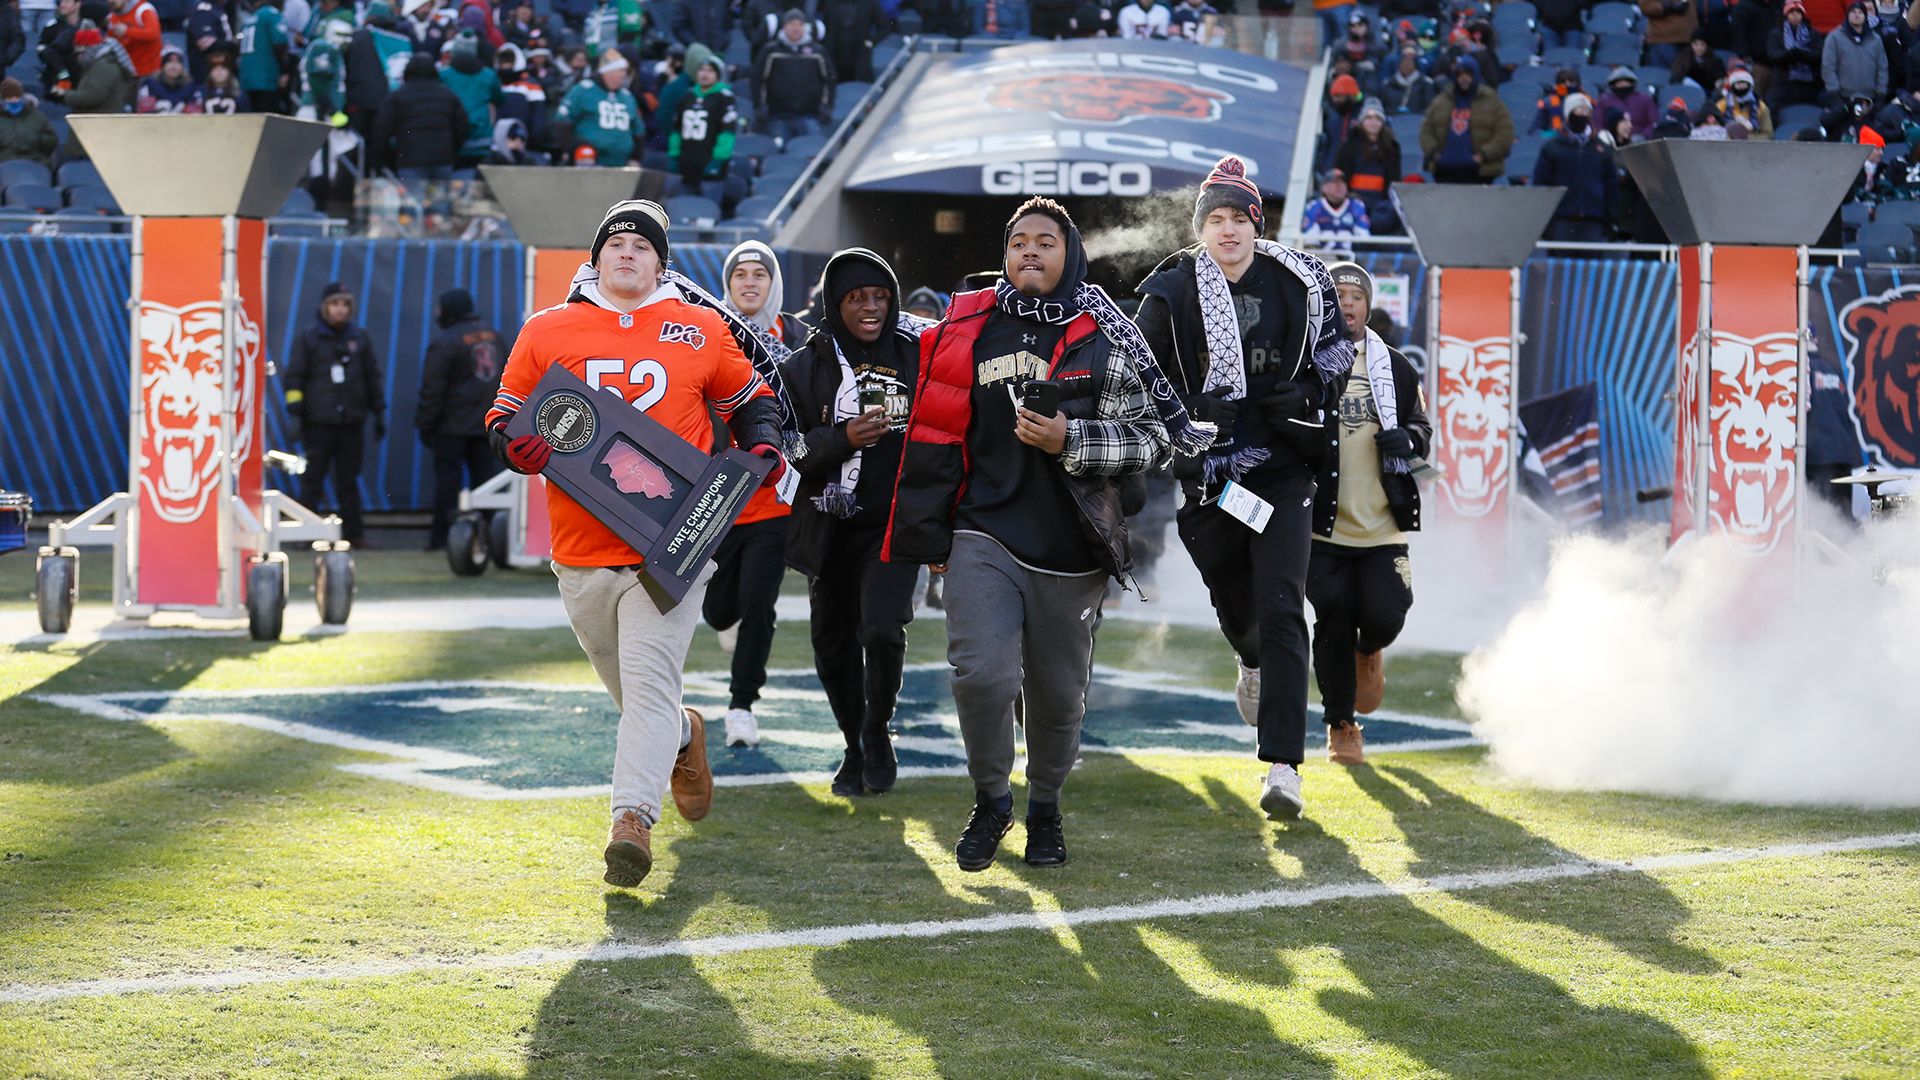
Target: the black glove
pixel 1394 442
pixel 379 427
pixel 1289 402
pixel 426 438
pixel 1213 408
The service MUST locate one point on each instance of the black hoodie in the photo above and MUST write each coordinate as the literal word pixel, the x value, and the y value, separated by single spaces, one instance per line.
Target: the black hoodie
pixel 422 124
pixel 332 374
pixel 812 376
pixel 461 374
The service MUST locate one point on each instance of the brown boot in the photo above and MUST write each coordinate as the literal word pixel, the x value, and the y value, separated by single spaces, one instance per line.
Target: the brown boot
pixel 1370 681
pixel 692 777
pixel 629 851
pixel 1345 745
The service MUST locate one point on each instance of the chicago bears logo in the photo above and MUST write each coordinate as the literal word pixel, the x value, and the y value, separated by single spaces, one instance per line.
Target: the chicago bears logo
pixel 181 399
pixel 1474 412
pixel 1752 411
pixel 1882 335
pixel 677 334
pixel 1107 99
pixel 635 473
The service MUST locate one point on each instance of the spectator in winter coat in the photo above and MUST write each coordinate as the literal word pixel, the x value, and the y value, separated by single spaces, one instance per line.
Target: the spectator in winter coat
pixel 603 114
pixel 1343 114
pixel 105 84
pixel 222 96
pixel 207 27
pixel 1359 48
pixel 1624 93
pixel 702 141
pixel 458 382
pixel 421 126
pixel 794 81
pixel 377 57
pixel 1699 64
pixel 523 99
pixel 674 80
pixel 1795 51
pixel 421 22
pixel 1752 23
pixel 333 387
pixel 510 145
pixel 137 25
pixel 1560 23
pixel 1467 133
pixel 1370 160
pixel 1407 89
pixel 56 49
pixel 478 89
pixel 1583 164
pixel 853 26
pixel 1739 104
pixel 1548 110
pixel 13 35
pixel 1142 20
pixel 25 132
pixel 1670 25
pixel 1853 63
pixel 1335 212
pixel 266 57
pixel 1189 20
pixel 171 91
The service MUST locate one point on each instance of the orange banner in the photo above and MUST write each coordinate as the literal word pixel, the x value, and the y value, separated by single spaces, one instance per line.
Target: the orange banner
pixel 1686 397
pixel 1753 397
pixel 1473 394
pixel 551 279
pixel 183 337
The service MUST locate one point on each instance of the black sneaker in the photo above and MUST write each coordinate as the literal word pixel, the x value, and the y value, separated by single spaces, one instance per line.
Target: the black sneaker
pixel 846 782
pixel 1046 841
pixel 882 768
pixel 981 840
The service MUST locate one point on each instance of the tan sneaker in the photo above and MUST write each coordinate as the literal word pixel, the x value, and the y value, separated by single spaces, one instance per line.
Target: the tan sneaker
pixel 1345 745
pixel 1370 681
pixel 692 781
pixel 629 851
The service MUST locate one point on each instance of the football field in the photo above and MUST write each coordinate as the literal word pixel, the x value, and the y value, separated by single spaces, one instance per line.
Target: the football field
pixel 377 854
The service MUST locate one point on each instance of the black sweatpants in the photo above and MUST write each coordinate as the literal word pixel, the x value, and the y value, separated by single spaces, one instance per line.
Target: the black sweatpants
pixel 861 608
pixel 456 458
pixel 338 449
pixel 1360 598
pixel 749 565
pixel 1257 581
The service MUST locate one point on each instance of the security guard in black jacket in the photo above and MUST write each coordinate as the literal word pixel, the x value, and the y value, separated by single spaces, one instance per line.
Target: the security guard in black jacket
pixel 333 385
pixel 458 381
pixel 1365 503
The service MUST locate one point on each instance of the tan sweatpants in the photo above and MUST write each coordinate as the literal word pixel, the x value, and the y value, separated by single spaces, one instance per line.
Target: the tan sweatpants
pixel 638 652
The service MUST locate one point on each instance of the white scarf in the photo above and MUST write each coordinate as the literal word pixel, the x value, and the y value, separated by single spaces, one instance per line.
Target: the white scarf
pixel 1385 403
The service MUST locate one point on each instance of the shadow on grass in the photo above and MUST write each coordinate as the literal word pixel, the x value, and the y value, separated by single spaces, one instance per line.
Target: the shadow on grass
pixel 1452 834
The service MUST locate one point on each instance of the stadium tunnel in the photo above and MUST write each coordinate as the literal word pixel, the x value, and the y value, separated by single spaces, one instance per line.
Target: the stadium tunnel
pixel 961 138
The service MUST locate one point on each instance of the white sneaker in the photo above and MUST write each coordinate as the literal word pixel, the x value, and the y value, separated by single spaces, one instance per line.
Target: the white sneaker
pixel 728 638
pixel 1246 695
pixel 742 729
pixel 1280 797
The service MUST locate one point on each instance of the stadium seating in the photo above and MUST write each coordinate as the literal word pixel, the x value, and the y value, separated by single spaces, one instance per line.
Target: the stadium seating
pixel 1526 152
pixel 1853 217
pixel 692 210
pixel 754 145
pixel 1889 239
pixel 1522 100
pixel 806 146
pixel 1611 48
pixel 1564 56
pixel 755 209
pixel 1799 115
pixel 75 221
pixel 1534 75
pixel 1905 214
pixel 779 172
pixel 94 198
pixel 1695 97
pixel 24 172
pixel 40 198
pixel 298 199
pixel 1612 17
pixel 1406 128
pixel 76 173
pixel 15 220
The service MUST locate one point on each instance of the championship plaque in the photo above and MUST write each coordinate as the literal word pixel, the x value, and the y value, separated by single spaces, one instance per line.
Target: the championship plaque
pixel 672 503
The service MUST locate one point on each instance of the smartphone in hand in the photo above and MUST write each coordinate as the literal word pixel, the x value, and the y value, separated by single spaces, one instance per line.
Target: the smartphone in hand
pixel 1041 396
pixel 873 397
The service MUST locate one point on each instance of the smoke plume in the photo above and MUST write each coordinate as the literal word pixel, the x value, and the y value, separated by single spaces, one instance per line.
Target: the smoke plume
pixel 1693 675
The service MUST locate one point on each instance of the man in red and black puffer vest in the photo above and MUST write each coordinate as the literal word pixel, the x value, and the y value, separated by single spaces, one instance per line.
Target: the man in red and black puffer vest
pixel 1023 512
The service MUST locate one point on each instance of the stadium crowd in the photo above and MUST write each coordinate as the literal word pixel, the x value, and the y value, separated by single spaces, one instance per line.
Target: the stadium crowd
pixel 1543 93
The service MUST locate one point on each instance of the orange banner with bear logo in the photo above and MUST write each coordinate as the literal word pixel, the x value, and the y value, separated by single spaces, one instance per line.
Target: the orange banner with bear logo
pixel 1473 411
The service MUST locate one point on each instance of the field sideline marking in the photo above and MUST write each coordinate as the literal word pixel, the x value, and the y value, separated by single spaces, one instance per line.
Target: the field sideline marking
pixel 832 936
pixel 426 767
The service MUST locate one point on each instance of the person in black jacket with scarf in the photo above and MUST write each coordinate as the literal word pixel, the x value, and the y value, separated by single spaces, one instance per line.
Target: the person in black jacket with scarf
pixel 333 386
pixel 851 385
pixel 458 382
pixel 1359 581
pixel 1251 333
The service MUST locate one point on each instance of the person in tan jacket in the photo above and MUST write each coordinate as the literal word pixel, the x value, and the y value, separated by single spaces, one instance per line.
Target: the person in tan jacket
pixel 1670 26
pixel 1468 132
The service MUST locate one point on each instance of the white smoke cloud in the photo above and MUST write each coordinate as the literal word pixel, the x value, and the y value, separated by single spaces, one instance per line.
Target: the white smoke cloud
pixel 1691 676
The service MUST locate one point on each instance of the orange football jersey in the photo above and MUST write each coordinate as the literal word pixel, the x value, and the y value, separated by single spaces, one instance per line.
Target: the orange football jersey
pixel 670 359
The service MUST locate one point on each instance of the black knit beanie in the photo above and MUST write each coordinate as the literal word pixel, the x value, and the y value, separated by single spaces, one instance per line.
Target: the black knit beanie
pixel 634 215
pixel 1227 186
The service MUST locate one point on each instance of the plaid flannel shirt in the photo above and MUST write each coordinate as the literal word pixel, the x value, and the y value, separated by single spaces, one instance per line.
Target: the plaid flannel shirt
pixel 1127 437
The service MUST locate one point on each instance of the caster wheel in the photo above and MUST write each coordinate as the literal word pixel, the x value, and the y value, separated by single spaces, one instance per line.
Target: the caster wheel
pixel 266 599
pixel 333 585
pixel 56 584
pixel 467 545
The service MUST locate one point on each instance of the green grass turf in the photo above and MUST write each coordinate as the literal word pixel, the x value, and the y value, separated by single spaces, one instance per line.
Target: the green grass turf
pixel 189 846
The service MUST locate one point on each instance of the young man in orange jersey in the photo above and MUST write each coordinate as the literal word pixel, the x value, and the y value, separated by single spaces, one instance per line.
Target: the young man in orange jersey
pixel 630 332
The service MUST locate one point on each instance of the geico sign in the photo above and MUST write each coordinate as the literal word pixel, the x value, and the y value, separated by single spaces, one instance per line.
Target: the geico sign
pixel 1066 178
pixel 1145 63
pixel 1000 147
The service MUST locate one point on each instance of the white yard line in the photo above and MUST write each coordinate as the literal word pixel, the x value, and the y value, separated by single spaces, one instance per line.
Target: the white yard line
pixel 822 937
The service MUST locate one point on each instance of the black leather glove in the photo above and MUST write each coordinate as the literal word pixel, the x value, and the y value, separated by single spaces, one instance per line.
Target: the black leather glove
pixel 1287 403
pixel 426 438
pixel 1394 442
pixel 379 427
pixel 1213 408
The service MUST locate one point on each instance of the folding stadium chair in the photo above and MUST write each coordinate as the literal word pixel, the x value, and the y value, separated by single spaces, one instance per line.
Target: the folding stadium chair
pixel 692 210
pixel 1612 17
